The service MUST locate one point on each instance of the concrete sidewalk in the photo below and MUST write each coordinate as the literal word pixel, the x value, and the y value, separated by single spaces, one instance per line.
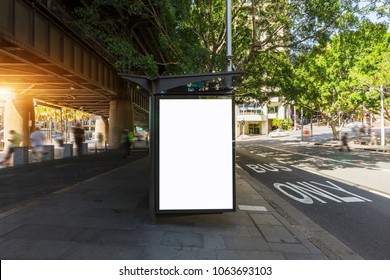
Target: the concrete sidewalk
pixel 107 217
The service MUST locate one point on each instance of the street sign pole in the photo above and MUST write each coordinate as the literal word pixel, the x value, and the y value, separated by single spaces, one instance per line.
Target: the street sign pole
pixel 382 119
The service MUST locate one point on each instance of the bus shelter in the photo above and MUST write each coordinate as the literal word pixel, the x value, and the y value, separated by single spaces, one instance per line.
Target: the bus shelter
pixel 192 142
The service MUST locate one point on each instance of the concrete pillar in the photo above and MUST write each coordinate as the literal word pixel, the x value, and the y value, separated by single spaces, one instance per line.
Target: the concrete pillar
pixel 121 116
pixel 101 126
pixel 19 116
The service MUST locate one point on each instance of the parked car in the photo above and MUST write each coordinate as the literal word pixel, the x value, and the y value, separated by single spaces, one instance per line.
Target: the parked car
pixel 278 133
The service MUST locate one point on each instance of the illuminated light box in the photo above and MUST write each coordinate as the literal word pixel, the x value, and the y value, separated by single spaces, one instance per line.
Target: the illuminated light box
pixel 195 157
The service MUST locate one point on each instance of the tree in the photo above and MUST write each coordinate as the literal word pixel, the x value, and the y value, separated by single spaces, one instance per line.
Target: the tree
pixel 116 23
pixel 192 33
pixel 330 76
pixel 372 72
pixel 267 34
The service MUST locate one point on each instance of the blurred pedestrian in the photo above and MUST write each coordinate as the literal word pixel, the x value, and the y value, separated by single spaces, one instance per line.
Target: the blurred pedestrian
pixel 373 140
pixel 362 131
pixel 37 137
pixel 79 138
pixel 59 138
pixel 14 142
pixel 344 143
pixel 99 142
pixel 147 138
pixel 126 144
pixel 368 129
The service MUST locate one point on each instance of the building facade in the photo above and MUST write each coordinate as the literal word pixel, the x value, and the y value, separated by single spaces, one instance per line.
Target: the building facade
pixel 255 119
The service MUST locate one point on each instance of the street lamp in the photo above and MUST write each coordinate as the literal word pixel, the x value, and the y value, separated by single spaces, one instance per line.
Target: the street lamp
pixel 229 55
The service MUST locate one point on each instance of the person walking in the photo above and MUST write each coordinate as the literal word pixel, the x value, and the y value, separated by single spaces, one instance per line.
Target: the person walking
pixel 99 142
pixel 37 137
pixel 126 144
pixel 14 142
pixel 373 140
pixel 79 138
pixel 344 143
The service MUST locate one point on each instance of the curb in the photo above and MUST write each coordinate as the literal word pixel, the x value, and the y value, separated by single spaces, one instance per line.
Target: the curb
pixel 372 148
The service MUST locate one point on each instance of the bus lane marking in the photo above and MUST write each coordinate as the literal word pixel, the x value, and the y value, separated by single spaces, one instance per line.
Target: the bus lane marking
pixel 309 192
pixel 272 167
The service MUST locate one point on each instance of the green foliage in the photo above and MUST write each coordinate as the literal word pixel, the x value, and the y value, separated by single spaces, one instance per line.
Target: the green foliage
pixel 275 122
pixel 338 79
pixel 285 124
pixel 267 36
pixel 45 114
pixel 115 23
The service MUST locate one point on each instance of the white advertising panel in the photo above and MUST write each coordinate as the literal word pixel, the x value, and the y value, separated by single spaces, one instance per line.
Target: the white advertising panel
pixel 195 154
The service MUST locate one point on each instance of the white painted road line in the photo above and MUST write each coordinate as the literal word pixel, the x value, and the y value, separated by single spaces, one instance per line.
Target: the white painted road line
pixel 318 157
pixel 380 193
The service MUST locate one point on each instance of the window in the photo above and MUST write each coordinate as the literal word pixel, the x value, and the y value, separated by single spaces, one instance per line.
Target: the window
pixel 250 110
pixel 272 109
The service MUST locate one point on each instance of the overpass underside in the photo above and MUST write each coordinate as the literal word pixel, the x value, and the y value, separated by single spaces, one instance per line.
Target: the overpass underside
pixel 42 57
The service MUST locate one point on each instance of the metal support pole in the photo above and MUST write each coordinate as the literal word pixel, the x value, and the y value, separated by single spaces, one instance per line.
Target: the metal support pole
pixel 301 124
pixel 295 118
pixel 340 125
pixel 311 124
pixel 382 118
pixel 229 55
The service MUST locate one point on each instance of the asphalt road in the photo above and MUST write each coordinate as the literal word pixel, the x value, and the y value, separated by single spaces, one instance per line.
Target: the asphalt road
pixel 351 212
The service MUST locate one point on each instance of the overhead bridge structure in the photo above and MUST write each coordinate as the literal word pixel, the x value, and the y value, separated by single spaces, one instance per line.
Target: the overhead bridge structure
pixel 44 57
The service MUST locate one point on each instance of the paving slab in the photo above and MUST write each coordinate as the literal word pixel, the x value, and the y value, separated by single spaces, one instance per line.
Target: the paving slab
pixel 93 251
pixel 182 239
pixel 288 248
pixel 265 219
pixel 177 253
pixel 277 233
pixel 246 243
pixel 228 230
pixel 213 241
pixel 43 232
pixel 248 255
pixel 29 249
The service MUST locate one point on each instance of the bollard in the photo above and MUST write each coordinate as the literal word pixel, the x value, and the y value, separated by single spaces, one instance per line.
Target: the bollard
pixel 84 148
pixel 67 151
pixel 20 156
pixel 48 152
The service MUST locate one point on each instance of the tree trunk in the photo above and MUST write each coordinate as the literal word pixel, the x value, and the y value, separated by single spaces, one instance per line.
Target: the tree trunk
pixel 335 132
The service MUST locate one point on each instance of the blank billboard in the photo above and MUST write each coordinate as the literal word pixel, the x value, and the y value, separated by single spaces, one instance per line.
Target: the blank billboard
pixel 195 154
